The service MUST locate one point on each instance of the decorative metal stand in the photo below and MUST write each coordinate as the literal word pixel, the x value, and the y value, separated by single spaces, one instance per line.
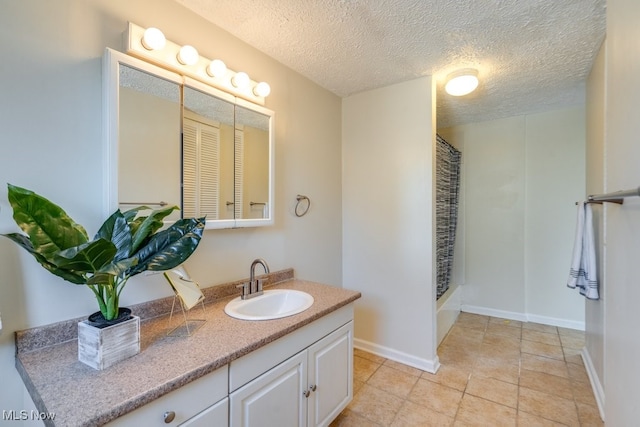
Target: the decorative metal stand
pixel 188 295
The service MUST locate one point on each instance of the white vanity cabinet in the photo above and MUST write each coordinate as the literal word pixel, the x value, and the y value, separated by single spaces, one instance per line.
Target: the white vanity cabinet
pixel 203 402
pixel 309 388
pixel 304 378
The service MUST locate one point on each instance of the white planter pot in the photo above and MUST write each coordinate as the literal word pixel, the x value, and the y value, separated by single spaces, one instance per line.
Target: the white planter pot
pixel 104 347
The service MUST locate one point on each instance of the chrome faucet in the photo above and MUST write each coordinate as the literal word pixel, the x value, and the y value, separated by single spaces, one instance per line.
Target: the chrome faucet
pixel 253 287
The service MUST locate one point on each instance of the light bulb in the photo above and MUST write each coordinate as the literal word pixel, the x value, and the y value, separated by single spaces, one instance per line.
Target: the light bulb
pixel 462 82
pixel 188 55
pixel 216 68
pixel 262 89
pixel 240 80
pixel 153 39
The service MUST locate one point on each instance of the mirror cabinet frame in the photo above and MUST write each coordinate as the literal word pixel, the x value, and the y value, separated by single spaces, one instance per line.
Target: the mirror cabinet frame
pixel 111 84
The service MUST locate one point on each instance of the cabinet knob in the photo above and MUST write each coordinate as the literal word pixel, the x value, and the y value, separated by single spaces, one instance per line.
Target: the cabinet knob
pixel 306 393
pixel 169 416
pixel 313 387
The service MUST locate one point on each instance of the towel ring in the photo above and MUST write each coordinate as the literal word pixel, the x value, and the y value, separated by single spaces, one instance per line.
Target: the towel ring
pixel 299 199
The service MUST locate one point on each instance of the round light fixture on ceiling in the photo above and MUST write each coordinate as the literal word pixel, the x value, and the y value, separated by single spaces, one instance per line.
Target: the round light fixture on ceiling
pixel 240 80
pixel 217 68
pixel 462 82
pixel 188 55
pixel 262 89
pixel 153 39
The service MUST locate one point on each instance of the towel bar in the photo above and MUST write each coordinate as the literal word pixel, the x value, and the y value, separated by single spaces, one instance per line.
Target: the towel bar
pixel 615 197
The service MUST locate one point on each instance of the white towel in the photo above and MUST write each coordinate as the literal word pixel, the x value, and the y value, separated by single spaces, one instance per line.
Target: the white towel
pixel 583 273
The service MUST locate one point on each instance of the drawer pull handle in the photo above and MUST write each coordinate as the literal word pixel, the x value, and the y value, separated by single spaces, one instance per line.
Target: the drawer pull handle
pixel 169 416
pixel 306 393
pixel 313 387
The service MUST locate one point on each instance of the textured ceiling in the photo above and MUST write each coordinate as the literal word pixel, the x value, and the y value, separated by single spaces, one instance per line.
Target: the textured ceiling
pixel 532 55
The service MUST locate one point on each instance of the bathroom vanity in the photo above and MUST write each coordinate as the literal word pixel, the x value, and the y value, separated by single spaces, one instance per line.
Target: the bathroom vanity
pixel 293 371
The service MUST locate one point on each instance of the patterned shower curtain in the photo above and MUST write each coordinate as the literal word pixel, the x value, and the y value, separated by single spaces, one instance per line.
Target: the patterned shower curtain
pixel 447 191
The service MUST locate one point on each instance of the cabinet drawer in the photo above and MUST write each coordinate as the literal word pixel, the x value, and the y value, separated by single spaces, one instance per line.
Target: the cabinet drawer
pixel 248 367
pixel 215 416
pixel 185 402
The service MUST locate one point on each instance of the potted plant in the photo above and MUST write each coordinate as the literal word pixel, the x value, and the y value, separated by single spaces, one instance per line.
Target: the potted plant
pixel 126 244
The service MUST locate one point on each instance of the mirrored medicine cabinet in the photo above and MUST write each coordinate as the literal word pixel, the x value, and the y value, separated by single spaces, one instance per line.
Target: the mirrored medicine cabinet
pixel 173 140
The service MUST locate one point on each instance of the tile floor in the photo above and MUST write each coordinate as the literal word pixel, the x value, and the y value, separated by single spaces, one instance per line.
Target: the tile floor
pixel 494 372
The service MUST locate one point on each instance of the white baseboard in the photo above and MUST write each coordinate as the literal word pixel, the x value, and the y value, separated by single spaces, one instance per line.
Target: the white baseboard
pixel 598 390
pixel 524 317
pixel 429 365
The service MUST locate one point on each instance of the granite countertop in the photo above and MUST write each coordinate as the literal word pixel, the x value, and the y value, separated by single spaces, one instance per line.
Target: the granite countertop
pixel 81 396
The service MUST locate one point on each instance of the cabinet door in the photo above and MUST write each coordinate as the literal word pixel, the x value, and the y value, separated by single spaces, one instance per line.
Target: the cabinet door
pixel 274 399
pixel 214 416
pixel 330 376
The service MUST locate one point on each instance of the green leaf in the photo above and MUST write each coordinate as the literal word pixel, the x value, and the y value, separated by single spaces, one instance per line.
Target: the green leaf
pixel 88 258
pixel 147 226
pixel 49 227
pixel 119 268
pixel 117 230
pixel 171 247
pixel 69 276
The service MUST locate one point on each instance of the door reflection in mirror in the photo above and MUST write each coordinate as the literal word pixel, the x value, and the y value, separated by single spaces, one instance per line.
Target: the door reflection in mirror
pixel 207 156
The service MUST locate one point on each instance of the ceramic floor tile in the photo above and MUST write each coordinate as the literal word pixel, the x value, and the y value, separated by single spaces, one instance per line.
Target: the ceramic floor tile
pixel 357 385
pixel 349 418
pixel 589 415
pixel 375 405
pixel 540 328
pixel 458 358
pixel 494 390
pixel 543 337
pixel 489 368
pixel 494 372
pixel 565 332
pixel 548 406
pixel 551 366
pixel 508 356
pixel 369 356
pixel 403 368
pixel 458 334
pixel 471 317
pixel 529 420
pixel 450 376
pixel 436 396
pixel 541 349
pixel 363 368
pixel 583 393
pixel 503 341
pixel 577 373
pixel 393 381
pixel 498 329
pixel 572 342
pixel 506 322
pixel 475 411
pixel 412 415
pixel 546 383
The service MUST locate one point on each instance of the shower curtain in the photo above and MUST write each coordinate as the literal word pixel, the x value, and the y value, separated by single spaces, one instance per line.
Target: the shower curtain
pixel 447 191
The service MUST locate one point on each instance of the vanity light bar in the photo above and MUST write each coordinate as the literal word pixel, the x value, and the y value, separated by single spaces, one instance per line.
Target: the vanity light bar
pixel 151 45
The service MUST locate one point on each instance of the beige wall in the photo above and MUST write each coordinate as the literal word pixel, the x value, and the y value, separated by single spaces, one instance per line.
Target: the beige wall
pixel 387 157
pixel 51 142
pixel 522 176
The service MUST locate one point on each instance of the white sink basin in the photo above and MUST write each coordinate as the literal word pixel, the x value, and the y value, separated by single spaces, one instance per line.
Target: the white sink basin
pixel 272 304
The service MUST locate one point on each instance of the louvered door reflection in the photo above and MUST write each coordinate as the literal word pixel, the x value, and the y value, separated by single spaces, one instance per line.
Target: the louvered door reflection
pixel 201 169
